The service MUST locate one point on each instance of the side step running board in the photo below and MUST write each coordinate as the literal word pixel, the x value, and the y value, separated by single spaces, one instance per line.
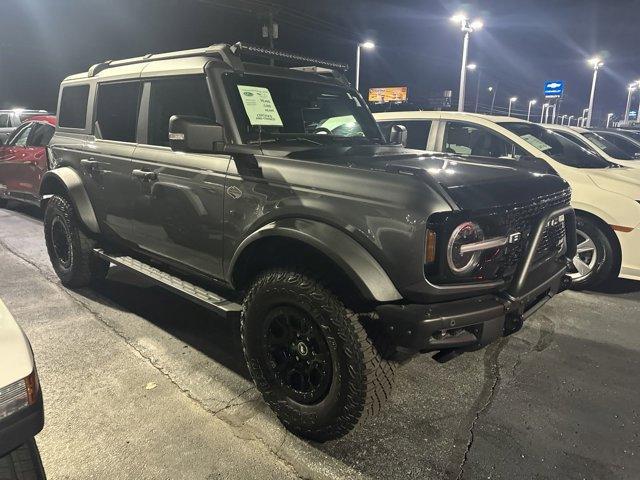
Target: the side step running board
pixel 207 299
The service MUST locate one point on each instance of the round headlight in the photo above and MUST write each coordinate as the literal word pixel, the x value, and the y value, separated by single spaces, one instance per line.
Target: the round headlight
pixel 463 263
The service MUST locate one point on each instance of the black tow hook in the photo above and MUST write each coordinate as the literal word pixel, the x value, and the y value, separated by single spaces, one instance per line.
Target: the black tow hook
pixel 444 356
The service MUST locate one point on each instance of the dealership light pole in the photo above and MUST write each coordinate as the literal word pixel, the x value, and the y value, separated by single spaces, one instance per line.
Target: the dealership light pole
pixel 609 117
pixel 512 100
pixel 493 99
pixel 597 64
pixel 542 112
pixel 368 45
pixel 474 68
pixel 632 88
pixel 531 103
pixel 569 121
pixel 467 27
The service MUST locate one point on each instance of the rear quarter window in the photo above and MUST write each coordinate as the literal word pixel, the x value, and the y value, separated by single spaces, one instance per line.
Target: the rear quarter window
pixel 73 106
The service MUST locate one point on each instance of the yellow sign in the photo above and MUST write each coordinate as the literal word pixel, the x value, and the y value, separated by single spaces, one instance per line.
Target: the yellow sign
pixel 388 94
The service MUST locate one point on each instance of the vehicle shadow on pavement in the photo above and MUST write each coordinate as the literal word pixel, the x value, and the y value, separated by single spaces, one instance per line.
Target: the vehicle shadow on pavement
pixel 618 286
pixel 190 323
pixel 25 210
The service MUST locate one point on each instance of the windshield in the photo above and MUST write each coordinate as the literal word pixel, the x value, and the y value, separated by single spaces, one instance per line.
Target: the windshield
pixel 606 146
pixel 271 109
pixel 625 144
pixel 556 146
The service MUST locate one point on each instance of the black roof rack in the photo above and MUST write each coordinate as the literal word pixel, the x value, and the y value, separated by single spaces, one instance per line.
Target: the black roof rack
pixel 232 56
pixel 252 50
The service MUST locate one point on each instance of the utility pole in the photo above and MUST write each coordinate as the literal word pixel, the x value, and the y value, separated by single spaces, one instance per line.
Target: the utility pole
pixel 270 32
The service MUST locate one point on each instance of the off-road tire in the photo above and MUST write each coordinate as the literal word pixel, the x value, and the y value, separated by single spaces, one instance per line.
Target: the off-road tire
pixel 361 381
pixel 23 463
pixel 82 267
pixel 605 259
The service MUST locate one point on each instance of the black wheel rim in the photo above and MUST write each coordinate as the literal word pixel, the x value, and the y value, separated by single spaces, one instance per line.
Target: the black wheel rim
pixel 61 241
pixel 298 355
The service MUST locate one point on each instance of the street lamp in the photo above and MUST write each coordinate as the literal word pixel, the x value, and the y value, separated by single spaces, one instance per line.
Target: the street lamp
pixel 531 102
pixel 596 63
pixel 472 67
pixel 632 88
pixel 493 99
pixel 511 101
pixel 569 121
pixel 609 116
pixel 466 26
pixel 545 106
pixel 368 45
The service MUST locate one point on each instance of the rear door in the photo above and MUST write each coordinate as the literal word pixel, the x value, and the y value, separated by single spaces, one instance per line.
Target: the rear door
pixel 107 161
pixel 179 201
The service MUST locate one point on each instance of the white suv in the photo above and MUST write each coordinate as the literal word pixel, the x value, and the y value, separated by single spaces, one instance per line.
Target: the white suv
pixel 606 197
pixel 597 143
pixel 21 412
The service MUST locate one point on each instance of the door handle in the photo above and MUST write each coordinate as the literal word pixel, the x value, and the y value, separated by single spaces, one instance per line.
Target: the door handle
pixel 89 164
pixel 145 175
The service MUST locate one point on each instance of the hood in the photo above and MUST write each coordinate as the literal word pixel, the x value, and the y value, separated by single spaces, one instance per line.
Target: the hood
pixel 625 181
pixel 472 183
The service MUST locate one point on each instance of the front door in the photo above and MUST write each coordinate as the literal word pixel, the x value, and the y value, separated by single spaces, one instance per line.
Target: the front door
pixel 179 204
pixel 12 158
pixel 34 163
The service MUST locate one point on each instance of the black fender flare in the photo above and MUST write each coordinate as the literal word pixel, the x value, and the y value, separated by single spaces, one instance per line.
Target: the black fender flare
pixel 355 261
pixel 67 180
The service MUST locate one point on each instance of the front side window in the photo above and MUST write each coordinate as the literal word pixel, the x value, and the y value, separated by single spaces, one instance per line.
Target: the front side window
pixel 117 111
pixel 40 135
pixel 176 96
pixel 73 106
pixel 4 120
pixel 21 136
pixel 417 132
pixel 271 109
pixel 556 146
pixel 466 139
pixel 628 146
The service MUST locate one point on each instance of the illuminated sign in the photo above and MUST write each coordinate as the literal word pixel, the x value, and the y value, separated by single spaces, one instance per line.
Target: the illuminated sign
pixel 553 89
pixel 388 94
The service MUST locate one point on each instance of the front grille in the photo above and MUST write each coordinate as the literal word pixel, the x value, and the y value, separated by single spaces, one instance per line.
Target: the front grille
pixel 523 218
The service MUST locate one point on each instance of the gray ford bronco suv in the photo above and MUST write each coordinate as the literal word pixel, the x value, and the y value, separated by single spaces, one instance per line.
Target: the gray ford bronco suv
pixel 269 195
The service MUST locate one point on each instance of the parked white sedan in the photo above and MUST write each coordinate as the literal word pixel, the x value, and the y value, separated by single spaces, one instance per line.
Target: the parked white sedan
pixel 598 144
pixel 21 412
pixel 606 197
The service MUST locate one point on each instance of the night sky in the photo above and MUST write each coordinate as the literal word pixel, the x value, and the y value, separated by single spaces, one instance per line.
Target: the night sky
pixel 523 43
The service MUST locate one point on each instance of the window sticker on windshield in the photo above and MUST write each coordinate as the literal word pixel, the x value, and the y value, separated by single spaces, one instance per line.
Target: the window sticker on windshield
pixel 536 142
pixel 259 106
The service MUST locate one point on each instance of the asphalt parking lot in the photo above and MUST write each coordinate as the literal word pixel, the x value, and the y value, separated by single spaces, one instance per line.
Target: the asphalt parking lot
pixel 139 383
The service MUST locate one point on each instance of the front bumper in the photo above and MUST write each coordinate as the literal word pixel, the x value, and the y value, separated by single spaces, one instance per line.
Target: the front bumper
pixel 21 426
pixel 465 324
pixel 475 322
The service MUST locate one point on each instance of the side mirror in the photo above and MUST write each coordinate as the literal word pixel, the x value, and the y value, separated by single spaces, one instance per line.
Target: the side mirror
pixel 195 134
pixel 398 135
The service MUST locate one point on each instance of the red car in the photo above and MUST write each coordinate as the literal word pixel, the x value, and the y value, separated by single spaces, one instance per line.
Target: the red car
pixel 23 160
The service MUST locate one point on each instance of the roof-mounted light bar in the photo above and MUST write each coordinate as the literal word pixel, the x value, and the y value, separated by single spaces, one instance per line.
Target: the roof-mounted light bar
pixel 252 50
